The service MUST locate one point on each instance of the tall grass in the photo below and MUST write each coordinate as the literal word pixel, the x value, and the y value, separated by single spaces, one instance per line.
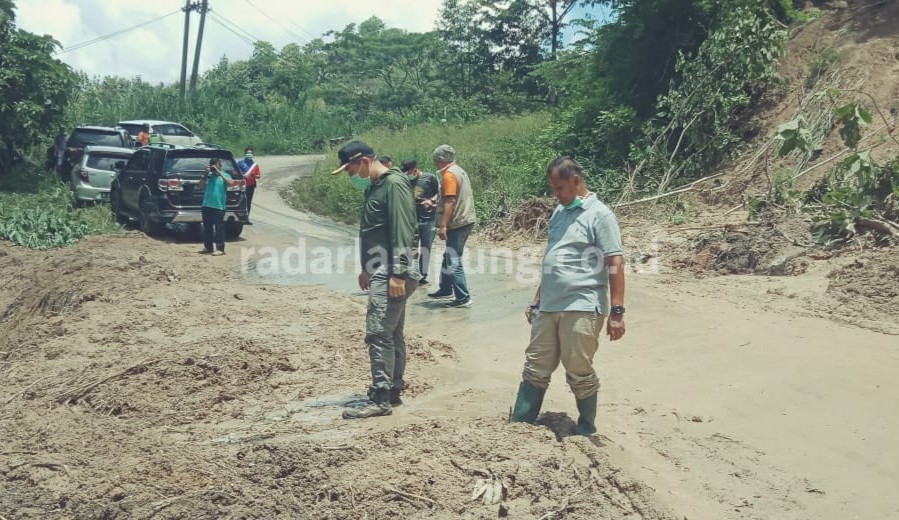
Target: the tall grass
pixel 37 211
pixel 506 159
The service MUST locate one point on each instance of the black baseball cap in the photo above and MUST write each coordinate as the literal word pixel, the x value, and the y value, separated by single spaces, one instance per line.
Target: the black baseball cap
pixel 350 152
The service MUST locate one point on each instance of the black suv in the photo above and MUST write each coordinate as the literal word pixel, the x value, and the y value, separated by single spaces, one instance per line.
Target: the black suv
pixel 158 186
pixel 91 136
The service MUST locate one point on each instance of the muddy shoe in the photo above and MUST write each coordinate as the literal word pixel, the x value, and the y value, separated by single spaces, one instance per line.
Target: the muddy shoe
pixel 371 409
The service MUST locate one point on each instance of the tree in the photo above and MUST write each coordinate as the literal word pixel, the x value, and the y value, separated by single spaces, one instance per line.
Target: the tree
pixel 34 87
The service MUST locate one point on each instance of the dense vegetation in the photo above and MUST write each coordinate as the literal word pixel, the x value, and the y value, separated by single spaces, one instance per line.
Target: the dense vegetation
pixel 659 95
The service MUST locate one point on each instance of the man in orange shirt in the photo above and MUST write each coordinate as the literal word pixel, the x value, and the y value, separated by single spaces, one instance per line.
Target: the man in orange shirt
pixel 456 217
pixel 144 135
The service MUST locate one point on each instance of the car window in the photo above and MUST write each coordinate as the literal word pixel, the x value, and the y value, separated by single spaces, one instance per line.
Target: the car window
pixel 196 164
pixel 181 131
pixel 166 130
pixel 139 161
pixel 82 138
pixel 104 161
pixel 132 129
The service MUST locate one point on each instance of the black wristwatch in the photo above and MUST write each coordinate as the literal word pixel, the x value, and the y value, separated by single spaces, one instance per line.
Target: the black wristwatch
pixel 617 309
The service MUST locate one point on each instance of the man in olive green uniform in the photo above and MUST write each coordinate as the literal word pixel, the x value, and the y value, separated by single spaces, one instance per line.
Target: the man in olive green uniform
pixel 387 235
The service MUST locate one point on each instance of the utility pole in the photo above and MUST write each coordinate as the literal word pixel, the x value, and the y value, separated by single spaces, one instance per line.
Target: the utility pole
pixel 193 77
pixel 187 9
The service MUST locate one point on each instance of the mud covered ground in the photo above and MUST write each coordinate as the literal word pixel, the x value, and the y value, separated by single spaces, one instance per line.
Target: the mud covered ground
pixel 140 380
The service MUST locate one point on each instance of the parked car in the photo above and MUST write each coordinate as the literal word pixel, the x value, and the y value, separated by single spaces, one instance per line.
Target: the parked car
pixel 157 186
pixel 83 136
pixel 92 176
pixel 163 132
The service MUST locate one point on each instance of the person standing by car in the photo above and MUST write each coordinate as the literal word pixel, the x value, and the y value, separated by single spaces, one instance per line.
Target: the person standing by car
pixel 427 190
pixel 389 271
pixel 59 148
pixel 582 282
pixel 144 135
pixel 215 184
pixel 456 217
pixel 249 168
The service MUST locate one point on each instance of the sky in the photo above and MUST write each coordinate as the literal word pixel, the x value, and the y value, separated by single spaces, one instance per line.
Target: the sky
pixel 153 51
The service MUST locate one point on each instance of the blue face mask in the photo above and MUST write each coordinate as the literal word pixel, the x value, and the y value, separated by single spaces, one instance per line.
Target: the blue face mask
pixel 360 183
pixel 576 203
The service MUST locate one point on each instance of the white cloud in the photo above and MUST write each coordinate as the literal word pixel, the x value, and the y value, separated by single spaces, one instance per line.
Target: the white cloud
pixel 154 51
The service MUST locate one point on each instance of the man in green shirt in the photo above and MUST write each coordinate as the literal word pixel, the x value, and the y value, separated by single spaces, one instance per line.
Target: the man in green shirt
pixel 387 235
pixel 214 184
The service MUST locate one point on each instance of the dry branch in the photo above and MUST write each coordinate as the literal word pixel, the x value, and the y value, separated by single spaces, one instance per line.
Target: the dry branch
pixel 410 496
pixel 79 393
pixel 22 391
pixel 884 226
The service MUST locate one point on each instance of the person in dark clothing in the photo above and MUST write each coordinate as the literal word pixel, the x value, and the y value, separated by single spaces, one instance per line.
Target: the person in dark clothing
pixel 426 188
pixel 387 234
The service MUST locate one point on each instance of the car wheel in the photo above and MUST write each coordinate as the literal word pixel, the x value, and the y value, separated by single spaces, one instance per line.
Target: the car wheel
pixel 233 229
pixel 115 203
pixel 147 225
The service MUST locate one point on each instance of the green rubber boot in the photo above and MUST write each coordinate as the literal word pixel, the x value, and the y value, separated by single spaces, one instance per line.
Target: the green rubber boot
pixel 528 403
pixel 586 422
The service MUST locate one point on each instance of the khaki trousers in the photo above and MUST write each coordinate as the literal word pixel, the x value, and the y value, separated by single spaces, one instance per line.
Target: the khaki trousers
pixel 571 337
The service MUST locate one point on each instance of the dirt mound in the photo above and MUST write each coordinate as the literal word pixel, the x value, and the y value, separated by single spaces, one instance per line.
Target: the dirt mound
pixel 763 248
pixel 868 288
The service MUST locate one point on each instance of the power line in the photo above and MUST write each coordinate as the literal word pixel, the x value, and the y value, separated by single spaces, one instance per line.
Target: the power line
pixel 288 29
pixel 116 33
pixel 235 29
pixel 300 27
pixel 224 23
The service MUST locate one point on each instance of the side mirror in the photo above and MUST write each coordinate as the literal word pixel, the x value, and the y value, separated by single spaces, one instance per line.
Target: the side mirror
pixel 120 165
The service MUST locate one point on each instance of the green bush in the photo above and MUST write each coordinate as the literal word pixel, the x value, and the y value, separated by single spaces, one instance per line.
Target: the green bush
pixel 37 212
pixel 505 157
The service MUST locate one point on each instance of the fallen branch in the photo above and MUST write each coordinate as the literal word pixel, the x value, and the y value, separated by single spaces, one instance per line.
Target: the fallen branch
pixel 884 226
pixel 410 496
pixel 78 394
pixel 22 391
pixel 837 156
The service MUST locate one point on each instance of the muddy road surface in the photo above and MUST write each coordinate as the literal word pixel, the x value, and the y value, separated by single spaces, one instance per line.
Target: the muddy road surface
pixel 141 380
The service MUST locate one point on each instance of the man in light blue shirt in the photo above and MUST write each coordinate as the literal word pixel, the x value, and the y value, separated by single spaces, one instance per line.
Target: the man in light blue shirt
pixel 581 265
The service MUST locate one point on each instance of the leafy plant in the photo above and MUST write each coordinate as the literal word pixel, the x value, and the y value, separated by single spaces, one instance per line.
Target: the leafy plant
pixel 37 212
pixel 794 135
pixel 858 193
pixel 852 118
